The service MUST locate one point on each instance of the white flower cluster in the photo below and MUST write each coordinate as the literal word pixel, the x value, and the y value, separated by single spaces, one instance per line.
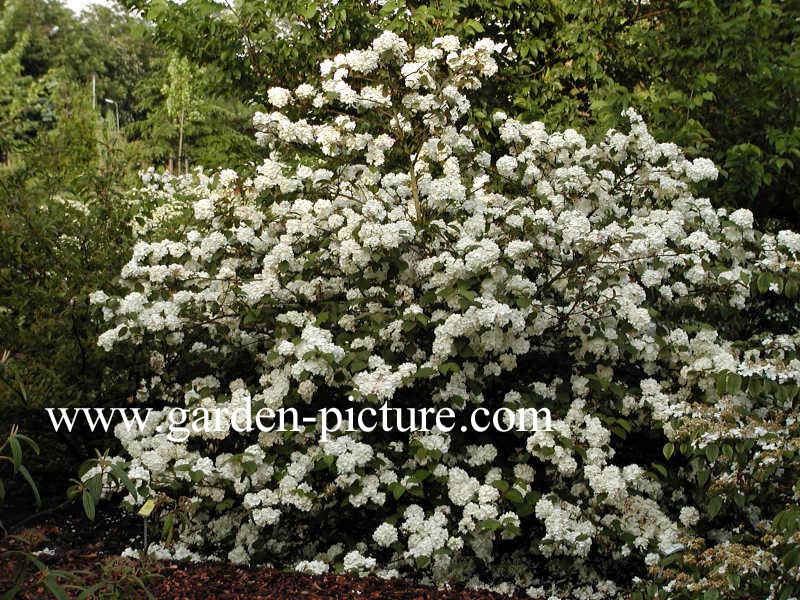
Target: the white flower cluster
pixel 408 266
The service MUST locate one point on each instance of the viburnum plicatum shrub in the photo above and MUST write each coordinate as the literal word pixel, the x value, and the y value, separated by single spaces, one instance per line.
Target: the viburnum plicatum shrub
pixel 380 254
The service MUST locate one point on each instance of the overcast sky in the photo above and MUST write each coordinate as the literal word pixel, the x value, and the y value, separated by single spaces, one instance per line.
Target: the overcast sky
pixel 78 5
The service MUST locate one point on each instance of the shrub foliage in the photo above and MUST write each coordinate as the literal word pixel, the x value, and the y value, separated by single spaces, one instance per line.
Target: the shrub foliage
pixel 381 254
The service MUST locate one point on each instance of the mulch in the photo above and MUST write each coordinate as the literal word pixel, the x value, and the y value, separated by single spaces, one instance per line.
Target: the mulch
pixel 234 583
pixel 195 581
pixel 90 550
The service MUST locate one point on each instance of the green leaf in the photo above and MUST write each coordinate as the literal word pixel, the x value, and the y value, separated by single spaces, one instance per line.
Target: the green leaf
pixel 720 382
pixel 417 492
pixel 16 452
pixel 626 425
pixel 53 586
pixel 449 367
pixel 122 476
pixel 501 485
pixel 95 486
pixel 88 593
pixel 419 476
pixel 733 383
pixel 397 490
pixel 88 504
pixel 425 373
pixel 714 506
pixel 514 496
pixel 763 282
pixel 791 290
pixel 525 510
pixel 727 451
pixel 490 524
pixel 792 558
pixel 168 528
pixel 734 579
pixel 702 477
pixel 787 393
pixel 23 470
pixel 661 469
pixel 29 441
pixel 357 365
pixel 711 594
pixel 754 387
pixel 310 10
pixel 712 452
pixel 669 450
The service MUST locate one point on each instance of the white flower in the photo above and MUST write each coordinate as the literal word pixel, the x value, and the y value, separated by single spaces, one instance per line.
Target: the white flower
pixel 279 97
pixel 238 556
pixel 651 559
pixel 98 297
pixel 742 218
pixel 789 240
pixel 701 169
pixel 378 264
pixel 390 42
pixel 448 43
pixel 227 177
pixel 461 487
pixel 385 535
pixel 689 516
pixel 354 561
pixel 506 165
pixel 305 91
pixel 204 209
pixel 312 567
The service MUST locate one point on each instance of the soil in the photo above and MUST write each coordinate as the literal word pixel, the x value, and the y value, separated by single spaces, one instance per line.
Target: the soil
pixel 67 541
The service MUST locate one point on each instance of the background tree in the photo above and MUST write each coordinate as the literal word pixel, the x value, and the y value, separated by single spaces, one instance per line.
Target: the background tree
pixel 63 216
pixel 16 93
pixel 181 97
pixel 720 78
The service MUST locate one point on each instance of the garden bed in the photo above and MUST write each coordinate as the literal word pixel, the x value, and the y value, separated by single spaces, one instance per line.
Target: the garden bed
pixel 68 542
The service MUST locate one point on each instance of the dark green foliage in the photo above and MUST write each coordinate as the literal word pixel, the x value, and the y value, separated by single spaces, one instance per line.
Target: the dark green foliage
pixel 720 79
pixel 724 80
pixel 258 44
pixel 62 227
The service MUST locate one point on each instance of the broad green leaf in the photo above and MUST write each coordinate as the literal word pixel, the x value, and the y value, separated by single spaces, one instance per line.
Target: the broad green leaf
pixel 88 504
pixel 23 470
pixel 55 588
pixel 712 452
pixel 714 506
pixel 669 450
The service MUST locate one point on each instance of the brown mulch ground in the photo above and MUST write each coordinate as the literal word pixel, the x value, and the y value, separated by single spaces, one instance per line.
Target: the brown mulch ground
pixel 195 581
pixel 268 584
pixel 93 548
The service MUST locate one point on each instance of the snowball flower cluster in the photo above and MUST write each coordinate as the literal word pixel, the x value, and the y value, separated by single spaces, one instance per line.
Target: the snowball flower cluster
pixel 385 252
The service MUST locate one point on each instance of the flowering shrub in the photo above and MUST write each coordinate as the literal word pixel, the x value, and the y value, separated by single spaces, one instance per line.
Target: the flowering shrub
pixel 380 254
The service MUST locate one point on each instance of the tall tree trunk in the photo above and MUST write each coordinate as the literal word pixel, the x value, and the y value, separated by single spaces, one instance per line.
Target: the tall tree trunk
pixel 180 140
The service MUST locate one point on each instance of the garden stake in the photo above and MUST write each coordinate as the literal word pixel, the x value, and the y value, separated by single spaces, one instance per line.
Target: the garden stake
pixel 145 511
